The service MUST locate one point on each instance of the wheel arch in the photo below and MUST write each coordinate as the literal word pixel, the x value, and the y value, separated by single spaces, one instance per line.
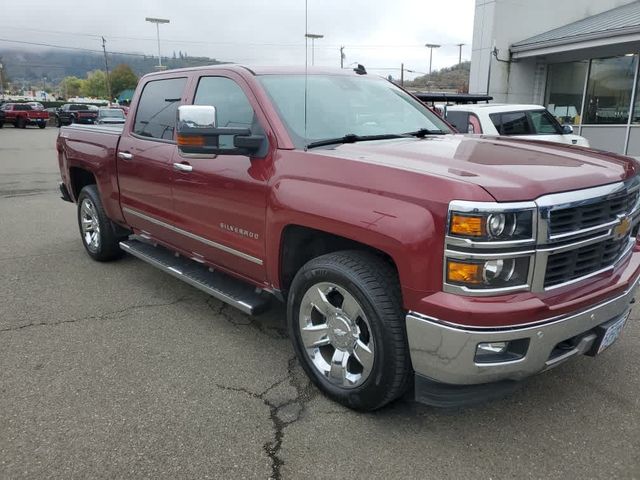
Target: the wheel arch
pixel 300 218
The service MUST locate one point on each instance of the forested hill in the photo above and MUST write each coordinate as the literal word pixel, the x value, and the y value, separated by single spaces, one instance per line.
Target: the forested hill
pixel 32 66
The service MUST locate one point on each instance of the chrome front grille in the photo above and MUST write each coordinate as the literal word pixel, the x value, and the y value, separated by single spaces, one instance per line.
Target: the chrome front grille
pixel 591 215
pixel 583 261
pixel 585 232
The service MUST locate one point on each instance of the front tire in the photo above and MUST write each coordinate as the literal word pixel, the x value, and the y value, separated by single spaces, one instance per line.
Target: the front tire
pixel 21 123
pixel 347 326
pixel 96 230
pixel 42 125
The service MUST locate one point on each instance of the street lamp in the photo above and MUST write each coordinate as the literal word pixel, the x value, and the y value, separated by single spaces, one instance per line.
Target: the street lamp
pixel 431 46
pixel 313 37
pixel 158 21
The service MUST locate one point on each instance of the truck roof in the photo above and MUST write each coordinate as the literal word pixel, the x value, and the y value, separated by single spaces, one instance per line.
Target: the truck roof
pixel 262 70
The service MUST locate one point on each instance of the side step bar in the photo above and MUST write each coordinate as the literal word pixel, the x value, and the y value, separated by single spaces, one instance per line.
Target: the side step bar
pixel 217 284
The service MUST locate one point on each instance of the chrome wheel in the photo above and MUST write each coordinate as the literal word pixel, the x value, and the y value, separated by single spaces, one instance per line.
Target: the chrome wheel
pixel 90 225
pixel 336 335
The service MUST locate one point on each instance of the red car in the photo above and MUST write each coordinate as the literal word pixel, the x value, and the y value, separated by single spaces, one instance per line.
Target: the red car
pixel 22 114
pixel 405 254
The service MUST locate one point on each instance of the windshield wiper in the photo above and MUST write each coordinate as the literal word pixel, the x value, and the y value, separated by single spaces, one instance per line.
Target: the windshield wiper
pixel 352 138
pixel 423 132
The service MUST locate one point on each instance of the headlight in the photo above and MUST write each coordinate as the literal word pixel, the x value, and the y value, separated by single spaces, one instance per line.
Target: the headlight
pixel 492 226
pixel 493 273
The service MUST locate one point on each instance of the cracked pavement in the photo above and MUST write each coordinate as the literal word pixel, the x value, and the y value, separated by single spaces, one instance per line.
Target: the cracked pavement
pixel 120 371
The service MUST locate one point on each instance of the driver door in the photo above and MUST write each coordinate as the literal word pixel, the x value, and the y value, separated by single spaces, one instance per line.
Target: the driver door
pixel 220 200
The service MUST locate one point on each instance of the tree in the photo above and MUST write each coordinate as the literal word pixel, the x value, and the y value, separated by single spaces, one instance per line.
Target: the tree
pixel 71 87
pixel 95 85
pixel 122 78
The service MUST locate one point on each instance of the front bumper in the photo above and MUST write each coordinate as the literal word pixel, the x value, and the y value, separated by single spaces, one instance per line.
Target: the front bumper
pixel 446 353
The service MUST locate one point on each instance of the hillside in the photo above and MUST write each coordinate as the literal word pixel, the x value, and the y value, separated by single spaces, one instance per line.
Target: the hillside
pixel 25 66
pixel 454 78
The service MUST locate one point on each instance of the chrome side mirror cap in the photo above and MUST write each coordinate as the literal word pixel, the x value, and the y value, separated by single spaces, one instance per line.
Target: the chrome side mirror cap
pixel 567 129
pixel 196 116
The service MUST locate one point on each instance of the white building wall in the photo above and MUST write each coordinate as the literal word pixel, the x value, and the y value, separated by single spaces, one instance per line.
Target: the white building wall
pixel 501 23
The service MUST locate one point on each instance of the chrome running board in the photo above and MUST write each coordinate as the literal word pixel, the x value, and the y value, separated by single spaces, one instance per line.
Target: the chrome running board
pixel 217 284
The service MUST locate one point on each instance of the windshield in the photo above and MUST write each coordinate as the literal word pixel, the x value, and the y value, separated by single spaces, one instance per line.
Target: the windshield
pixel 339 105
pixel 112 113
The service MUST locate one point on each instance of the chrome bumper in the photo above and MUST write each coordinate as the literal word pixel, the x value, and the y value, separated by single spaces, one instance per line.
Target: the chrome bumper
pixel 446 354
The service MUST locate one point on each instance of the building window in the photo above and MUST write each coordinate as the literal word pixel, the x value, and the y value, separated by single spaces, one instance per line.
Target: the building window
pixel 565 87
pixel 609 90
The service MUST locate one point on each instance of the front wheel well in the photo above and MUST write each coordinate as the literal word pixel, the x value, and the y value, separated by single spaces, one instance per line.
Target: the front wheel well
pixel 80 178
pixel 300 244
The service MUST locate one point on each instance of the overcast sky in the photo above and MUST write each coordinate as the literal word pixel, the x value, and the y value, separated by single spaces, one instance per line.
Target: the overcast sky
pixel 377 33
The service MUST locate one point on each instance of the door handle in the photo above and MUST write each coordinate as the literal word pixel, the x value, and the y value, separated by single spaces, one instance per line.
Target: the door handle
pixel 125 155
pixel 182 167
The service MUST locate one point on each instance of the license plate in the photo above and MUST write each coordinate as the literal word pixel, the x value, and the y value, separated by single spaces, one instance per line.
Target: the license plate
pixel 611 333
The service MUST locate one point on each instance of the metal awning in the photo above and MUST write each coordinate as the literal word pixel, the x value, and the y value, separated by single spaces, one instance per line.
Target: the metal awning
pixel 617 26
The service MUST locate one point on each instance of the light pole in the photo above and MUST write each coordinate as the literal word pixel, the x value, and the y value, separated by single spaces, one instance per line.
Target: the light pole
pixel 431 46
pixel 158 21
pixel 460 45
pixel 313 37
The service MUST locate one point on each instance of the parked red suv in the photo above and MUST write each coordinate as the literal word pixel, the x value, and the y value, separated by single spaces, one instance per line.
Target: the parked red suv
pixel 405 253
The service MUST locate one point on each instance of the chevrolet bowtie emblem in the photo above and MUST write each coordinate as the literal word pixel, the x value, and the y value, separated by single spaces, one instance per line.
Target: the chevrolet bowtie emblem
pixel 622 229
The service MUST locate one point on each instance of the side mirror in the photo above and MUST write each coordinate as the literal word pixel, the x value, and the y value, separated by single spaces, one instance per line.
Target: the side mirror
pixel 567 129
pixel 198 134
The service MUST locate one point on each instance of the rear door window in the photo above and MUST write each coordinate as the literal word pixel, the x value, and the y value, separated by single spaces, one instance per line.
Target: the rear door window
pixel 511 123
pixel 156 112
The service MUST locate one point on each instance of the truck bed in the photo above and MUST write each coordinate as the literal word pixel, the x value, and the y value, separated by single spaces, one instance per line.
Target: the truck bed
pixel 92 148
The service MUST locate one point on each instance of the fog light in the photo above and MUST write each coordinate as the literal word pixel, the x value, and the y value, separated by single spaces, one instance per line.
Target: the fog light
pixel 491 348
pixel 496 352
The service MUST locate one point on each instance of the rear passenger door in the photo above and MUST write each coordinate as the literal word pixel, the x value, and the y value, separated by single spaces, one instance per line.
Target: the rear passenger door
pixel 145 157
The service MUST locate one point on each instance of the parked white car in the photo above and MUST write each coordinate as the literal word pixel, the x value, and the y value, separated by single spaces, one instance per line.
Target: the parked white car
pixel 532 122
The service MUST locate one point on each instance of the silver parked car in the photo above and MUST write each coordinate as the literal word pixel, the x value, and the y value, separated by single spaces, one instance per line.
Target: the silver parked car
pixel 110 116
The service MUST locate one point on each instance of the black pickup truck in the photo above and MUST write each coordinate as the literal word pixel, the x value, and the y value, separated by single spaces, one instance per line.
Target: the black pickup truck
pixel 76 113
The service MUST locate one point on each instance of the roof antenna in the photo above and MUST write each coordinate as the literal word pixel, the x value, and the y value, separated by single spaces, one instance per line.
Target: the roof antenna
pixel 360 70
pixel 306 64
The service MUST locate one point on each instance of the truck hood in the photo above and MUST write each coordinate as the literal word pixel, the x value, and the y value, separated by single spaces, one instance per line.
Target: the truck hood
pixel 508 169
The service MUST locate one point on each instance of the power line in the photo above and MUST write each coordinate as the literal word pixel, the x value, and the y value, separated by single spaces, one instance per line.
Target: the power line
pixel 204 42
pixel 50 45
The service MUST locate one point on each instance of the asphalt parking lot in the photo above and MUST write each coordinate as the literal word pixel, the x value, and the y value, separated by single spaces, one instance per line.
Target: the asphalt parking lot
pixel 120 371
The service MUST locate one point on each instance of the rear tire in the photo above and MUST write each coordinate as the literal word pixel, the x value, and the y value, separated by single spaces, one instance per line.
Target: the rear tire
pixel 42 125
pixel 1 124
pixel 362 361
pixel 58 122
pixel 21 123
pixel 98 233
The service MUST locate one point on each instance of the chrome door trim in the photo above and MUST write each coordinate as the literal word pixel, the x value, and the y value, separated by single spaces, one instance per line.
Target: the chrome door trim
pixel 193 236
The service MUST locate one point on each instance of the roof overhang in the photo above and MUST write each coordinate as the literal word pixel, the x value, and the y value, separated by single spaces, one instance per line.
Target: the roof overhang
pixel 595 40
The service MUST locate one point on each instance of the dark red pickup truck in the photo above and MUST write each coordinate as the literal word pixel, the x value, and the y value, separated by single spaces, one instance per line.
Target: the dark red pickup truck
pixel 20 115
pixel 406 254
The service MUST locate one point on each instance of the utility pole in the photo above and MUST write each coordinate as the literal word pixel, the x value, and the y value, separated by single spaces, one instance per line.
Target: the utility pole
pixel 1 81
pixel 431 46
pixel 106 67
pixel 460 45
pixel 402 74
pixel 342 56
